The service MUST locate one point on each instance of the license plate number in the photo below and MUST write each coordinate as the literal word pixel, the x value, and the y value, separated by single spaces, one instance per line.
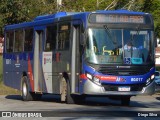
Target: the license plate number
pixel 124 88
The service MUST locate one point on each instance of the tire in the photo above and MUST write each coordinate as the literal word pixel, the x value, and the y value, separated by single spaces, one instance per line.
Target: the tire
pixel 26 94
pixel 80 99
pixel 73 99
pixel 125 101
pixel 69 98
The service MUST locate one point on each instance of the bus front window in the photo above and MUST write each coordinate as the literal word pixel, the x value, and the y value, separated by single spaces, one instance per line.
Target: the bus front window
pixel 137 46
pixel 118 46
pixel 104 46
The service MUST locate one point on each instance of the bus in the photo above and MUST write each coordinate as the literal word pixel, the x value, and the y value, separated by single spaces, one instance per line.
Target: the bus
pixel 78 54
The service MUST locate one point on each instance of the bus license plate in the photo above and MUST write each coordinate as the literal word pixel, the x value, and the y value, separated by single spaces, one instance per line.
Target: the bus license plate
pixel 124 88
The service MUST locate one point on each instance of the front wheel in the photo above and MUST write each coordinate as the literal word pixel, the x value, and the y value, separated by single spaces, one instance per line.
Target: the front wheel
pixel 66 95
pixel 70 99
pixel 73 99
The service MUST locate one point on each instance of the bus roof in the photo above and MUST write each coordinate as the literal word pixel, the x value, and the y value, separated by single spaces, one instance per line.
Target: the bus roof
pixel 49 19
pixel 56 15
pixel 45 19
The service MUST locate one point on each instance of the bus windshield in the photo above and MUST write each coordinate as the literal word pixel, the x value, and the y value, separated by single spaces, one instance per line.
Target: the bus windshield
pixel 118 46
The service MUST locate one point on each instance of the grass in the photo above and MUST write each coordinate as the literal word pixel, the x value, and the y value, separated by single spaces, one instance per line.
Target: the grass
pixel 4 90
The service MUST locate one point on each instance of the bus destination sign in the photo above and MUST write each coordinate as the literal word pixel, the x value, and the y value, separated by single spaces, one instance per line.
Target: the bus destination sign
pixel 115 18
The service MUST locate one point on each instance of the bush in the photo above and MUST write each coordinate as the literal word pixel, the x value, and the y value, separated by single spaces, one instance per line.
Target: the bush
pixel 157 68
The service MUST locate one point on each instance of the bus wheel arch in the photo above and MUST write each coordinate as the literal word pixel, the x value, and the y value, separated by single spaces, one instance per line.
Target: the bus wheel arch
pixel 65 89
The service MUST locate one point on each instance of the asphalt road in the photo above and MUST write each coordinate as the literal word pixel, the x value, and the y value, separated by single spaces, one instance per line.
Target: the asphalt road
pixel 50 106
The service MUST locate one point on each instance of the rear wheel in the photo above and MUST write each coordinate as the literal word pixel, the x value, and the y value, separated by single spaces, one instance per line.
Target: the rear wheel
pixel 26 95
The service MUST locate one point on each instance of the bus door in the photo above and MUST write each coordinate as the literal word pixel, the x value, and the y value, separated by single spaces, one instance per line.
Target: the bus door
pixel 17 58
pixel 75 57
pixel 37 71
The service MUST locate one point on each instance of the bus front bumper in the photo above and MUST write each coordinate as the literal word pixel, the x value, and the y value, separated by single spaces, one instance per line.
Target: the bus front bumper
pixel 90 88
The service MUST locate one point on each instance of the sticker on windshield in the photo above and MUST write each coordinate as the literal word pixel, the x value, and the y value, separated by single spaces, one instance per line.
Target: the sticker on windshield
pixel 127 60
pixel 137 61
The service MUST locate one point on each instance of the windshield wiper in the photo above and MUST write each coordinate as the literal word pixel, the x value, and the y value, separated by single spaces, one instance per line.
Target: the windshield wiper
pixel 114 40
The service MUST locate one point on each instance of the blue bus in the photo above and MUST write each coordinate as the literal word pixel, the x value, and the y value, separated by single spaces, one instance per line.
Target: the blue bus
pixel 102 53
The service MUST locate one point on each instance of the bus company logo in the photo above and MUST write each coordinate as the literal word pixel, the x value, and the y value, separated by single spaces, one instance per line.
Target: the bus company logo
pixel 120 79
pixel 108 78
pixel 48 55
pixel 47 60
pixel 6 114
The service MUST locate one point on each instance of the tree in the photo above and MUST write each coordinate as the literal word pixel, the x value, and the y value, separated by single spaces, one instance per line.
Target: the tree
pixel 13 11
pixel 153 7
pixel 17 11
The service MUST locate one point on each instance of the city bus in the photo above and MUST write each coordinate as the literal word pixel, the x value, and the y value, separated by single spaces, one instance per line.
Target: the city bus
pixel 79 54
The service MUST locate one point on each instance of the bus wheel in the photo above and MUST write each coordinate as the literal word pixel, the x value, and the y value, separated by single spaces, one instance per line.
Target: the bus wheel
pixel 63 90
pixel 26 95
pixel 73 99
pixel 70 99
pixel 125 101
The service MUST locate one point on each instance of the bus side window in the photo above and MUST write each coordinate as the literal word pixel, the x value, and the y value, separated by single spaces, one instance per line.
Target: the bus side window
pixel 9 41
pixel 28 39
pixel 64 37
pixel 18 45
pixel 51 35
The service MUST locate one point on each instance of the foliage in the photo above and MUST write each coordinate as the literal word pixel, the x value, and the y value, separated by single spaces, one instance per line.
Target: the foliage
pixel 1 70
pixel 16 11
pixel 153 7
pixel 157 68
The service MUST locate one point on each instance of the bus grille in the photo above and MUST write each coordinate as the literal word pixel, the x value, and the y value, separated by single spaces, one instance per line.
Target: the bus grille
pixel 124 71
pixel 134 87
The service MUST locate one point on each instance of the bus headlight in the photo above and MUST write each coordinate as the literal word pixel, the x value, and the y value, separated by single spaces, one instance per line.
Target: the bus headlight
pixel 152 77
pixel 89 76
pixel 94 79
pixel 149 80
